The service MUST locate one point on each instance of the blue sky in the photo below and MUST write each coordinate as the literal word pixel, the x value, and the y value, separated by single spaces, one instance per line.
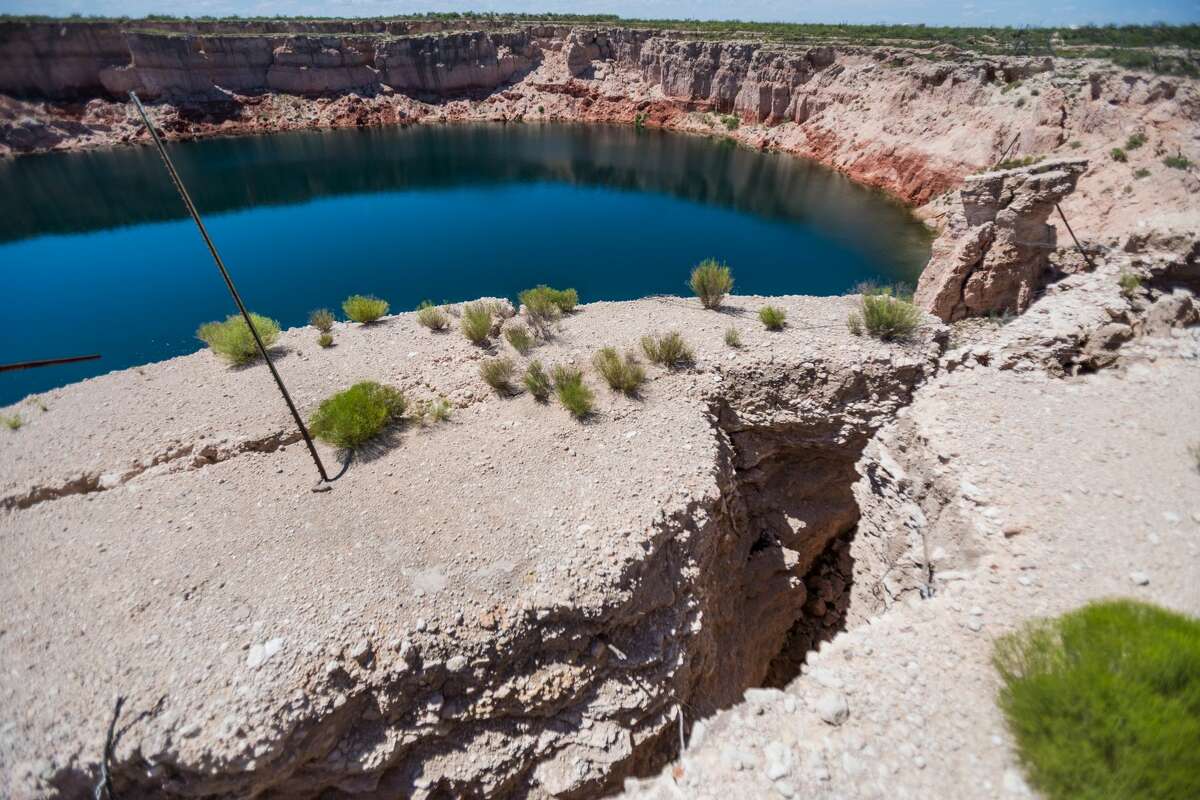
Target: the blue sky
pixel 932 12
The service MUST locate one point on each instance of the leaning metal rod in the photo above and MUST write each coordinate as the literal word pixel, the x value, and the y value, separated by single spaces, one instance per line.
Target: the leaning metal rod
pixel 47 362
pixel 191 207
pixel 1078 246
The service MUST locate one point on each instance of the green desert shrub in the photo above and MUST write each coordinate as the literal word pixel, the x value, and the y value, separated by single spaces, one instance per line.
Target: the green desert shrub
pixel 670 350
pixel 623 373
pixel 350 418
pixel 322 320
pixel 1129 282
pixel 1104 701
pixel 1135 141
pixel 546 303
pixel 855 323
pixel 773 318
pixel 520 338
pixel 497 373
pixel 1141 172
pixel 572 392
pixel 536 381
pixel 711 281
pixel 887 317
pixel 232 339
pixel 12 421
pixel 732 337
pixel 1118 155
pixel 476 323
pixel 364 309
pixel 432 317
pixel 325 340
pixel 1177 161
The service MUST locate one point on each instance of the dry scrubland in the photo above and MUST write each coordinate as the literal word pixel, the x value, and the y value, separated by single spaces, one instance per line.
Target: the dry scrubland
pixel 790 530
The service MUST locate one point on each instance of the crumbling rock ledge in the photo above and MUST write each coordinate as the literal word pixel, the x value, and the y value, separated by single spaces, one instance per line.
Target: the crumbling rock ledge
pixel 993 254
pixel 454 618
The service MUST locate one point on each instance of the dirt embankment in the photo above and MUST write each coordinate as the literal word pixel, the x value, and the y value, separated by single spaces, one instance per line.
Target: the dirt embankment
pixel 911 122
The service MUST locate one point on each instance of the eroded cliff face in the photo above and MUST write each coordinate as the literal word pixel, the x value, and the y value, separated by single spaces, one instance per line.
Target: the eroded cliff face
pixel 914 123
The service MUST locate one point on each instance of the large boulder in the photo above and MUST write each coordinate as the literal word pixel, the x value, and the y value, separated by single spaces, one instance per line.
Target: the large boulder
pixel 992 255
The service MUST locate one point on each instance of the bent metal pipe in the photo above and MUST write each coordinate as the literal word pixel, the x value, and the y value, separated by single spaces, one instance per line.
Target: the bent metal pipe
pixel 324 483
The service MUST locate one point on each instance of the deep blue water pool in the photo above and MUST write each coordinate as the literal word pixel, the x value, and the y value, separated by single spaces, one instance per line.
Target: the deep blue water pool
pixel 97 255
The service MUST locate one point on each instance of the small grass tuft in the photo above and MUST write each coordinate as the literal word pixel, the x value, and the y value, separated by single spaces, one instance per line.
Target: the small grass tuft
pixel 572 392
pixel 1104 701
pixel 733 338
pixel 322 320
pixel 432 317
pixel 1177 161
pixel 364 309
pixel 1135 141
pixel 325 340
pixel 1118 155
pixel 1129 282
pixel 520 338
pixel 887 317
pixel 232 339
pixel 711 281
pixel 623 373
pixel 1141 172
pixel 773 318
pixel 353 417
pixel 1194 452
pixel 12 422
pixel 670 350
pixel 855 323
pixel 536 381
pixel 497 373
pixel 476 323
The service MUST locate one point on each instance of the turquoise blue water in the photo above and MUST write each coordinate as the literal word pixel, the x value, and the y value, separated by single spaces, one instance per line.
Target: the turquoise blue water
pixel 97 255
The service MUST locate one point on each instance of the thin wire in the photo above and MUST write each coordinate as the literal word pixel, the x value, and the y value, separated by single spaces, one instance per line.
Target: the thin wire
pixel 191 207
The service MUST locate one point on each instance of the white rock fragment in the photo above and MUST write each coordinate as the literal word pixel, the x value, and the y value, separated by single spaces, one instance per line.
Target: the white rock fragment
pixel 1139 578
pixel 261 653
pixel 833 708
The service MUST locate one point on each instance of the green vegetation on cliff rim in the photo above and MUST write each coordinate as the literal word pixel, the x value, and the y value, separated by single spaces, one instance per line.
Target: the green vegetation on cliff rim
pixel 497 373
pixel 536 381
pixel 711 281
pixel 325 340
pixel 670 350
pixel 13 422
pixel 476 323
pixel 1117 43
pixel 883 315
pixel 572 392
pixel 364 308
pixel 520 338
pixel 351 418
pixel 773 318
pixel 432 316
pixel 1105 701
pixel 321 319
pixel 232 340
pixel 622 373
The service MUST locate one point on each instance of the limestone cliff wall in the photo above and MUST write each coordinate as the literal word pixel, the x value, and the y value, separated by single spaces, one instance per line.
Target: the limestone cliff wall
pixel 92 60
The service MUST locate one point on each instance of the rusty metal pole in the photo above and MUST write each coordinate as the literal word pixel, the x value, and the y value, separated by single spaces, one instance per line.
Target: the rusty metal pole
pixel 323 484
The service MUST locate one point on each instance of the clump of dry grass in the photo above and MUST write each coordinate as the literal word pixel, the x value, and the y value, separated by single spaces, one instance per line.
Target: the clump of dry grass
pixel 773 318
pixel 520 338
pixel 623 373
pixel 497 373
pixel 432 317
pixel 322 320
pixel 711 281
pixel 364 308
pixel 572 392
pixel 536 381
pixel 670 350
pixel 476 322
